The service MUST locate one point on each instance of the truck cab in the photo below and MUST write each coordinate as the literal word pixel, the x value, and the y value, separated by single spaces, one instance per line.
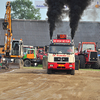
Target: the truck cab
pixel 17 48
pixel 30 58
pixel 61 55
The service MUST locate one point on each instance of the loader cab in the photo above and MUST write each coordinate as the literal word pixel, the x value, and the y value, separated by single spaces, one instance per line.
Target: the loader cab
pixel 17 47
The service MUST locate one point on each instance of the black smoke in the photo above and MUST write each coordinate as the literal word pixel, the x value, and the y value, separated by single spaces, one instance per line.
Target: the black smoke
pixel 55 10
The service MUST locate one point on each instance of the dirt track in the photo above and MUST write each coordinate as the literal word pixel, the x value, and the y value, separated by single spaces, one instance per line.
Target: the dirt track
pixel 35 84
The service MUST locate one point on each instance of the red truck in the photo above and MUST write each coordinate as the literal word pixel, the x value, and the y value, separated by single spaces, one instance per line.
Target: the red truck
pixel 87 54
pixel 61 55
pixel 40 53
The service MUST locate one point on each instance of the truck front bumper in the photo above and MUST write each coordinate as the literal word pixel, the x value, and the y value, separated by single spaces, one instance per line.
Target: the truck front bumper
pixel 61 66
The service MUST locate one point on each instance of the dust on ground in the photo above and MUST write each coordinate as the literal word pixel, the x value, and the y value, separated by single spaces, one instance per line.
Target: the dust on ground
pixel 35 84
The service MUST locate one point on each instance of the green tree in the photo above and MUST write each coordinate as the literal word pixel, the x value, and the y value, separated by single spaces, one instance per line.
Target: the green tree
pixel 23 9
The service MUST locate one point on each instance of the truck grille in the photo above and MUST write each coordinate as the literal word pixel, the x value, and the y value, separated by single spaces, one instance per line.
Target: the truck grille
pixel 93 56
pixel 60 58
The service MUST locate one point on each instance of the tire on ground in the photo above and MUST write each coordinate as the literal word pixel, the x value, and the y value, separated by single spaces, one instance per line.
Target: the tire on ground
pixel 82 61
pixel 72 72
pixel 49 71
pixel 96 65
pixel 76 62
pixel 87 66
pixel 27 63
pixel 68 72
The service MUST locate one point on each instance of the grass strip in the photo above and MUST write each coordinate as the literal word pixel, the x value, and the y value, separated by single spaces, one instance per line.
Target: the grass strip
pixel 33 67
pixel 90 69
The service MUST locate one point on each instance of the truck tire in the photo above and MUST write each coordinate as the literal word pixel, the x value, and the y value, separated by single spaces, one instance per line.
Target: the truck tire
pixel 72 72
pixel 76 62
pixel 68 72
pixel 82 61
pixel 27 63
pixel 49 71
pixel 96 65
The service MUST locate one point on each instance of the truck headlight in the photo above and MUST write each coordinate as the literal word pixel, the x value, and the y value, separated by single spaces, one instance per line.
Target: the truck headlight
pixel 51 65
pixel 70 65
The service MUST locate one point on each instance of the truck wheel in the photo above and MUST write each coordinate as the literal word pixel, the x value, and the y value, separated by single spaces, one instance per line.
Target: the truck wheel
pixel 72 72
pixel 77 65
pixel 53 71
pixel 82 61
pixel 49 71
pixel 96 65
pixel 27 63
pixel 68 71
pixel 76 62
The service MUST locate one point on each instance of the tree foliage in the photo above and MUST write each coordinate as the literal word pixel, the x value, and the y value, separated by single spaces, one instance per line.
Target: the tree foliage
pixel 23 9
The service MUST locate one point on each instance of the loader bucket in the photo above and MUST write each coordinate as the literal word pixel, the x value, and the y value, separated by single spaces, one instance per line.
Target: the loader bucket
pixel 18 64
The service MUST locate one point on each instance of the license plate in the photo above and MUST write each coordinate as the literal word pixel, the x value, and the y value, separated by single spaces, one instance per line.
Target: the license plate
pixel 61 65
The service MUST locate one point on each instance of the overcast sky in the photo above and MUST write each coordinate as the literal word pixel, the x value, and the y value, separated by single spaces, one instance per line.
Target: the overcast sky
pixel 3 9
pixel 92 14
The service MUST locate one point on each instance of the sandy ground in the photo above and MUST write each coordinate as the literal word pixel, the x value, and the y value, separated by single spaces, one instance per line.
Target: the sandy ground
pixel 35 84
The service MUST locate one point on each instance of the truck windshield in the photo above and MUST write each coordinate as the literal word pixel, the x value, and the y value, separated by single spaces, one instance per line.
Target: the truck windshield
pixel 61 49
pixel 25 49
pixel 40 51
pixel 30 51
pixel 88 47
